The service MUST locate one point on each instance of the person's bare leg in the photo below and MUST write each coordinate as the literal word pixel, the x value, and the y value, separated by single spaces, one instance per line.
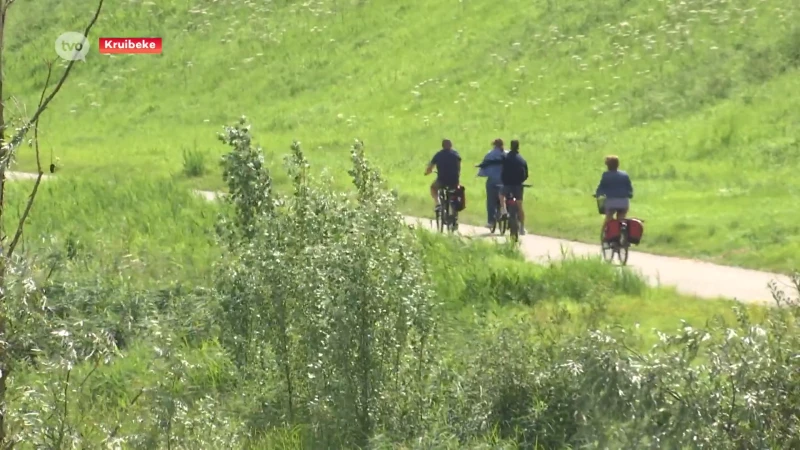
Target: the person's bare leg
pixel 435 194
pixel 521 217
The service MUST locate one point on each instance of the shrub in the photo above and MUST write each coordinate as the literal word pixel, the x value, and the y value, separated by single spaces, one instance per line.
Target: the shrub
pixel 323 296
pixel 724 386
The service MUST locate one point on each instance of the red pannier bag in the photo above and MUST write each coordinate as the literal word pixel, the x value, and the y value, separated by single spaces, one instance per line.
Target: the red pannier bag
pixel 613 231
pixel 635 231
pixel 460 198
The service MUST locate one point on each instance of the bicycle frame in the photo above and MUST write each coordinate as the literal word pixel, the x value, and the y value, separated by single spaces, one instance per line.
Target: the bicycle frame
pixel 509 197
pixel 619 246
pixel 449 214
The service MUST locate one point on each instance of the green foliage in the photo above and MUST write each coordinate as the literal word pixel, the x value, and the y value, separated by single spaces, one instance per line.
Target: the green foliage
pixel 317 319
pixel 325 296
pixel 194 163
pixel 710 387
pixel 476 271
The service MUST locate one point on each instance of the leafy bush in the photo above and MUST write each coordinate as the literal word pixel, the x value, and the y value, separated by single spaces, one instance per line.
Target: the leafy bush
pixel 323 296
pixel 724 386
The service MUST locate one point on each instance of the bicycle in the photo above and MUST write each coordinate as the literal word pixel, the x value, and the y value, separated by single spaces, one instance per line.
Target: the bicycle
pixel 620 245
pixel 447 214
pixel 512 208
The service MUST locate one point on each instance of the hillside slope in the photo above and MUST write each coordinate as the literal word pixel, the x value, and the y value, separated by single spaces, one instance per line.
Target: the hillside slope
pixel 695 96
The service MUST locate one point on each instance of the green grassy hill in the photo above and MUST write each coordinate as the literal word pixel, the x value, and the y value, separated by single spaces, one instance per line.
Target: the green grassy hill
pixel 697 98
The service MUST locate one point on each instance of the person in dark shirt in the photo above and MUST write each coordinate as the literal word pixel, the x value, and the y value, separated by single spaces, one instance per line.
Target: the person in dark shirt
pixel 447 162
pixel 515 173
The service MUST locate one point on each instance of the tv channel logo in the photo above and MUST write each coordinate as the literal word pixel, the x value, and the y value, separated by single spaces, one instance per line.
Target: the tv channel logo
pixel 72 46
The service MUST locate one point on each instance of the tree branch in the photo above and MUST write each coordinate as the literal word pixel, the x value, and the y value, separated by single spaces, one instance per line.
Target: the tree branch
pixel 34 121
pixel 49 65
pixel 114 432
pixel 7 150
pixel 7 5
pixel 63 424
pixel 29 205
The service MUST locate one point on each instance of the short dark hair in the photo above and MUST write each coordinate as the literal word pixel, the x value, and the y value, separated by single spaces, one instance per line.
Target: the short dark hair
pixel 612 162
pixel 446 142
pixel 515 145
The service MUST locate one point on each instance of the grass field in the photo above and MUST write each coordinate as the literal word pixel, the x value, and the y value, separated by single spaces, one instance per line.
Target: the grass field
pixel 139 316
pixel 692 96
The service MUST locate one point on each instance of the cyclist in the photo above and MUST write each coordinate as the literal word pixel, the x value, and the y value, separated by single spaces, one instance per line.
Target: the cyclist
pixel 447 162
pixel 491 168
pixel 515 173
pixel 616 186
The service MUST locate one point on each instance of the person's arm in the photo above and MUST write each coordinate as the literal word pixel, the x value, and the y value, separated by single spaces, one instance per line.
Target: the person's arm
pixel 525 170
pixel 483 165
pixel 601 187
pixel 630 187
pixel 431 165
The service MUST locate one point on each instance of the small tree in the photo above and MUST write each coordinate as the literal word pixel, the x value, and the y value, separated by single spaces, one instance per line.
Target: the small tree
pixel 15 341
pixel 327 292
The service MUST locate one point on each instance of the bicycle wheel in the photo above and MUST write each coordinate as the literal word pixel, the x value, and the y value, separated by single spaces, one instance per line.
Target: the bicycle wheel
pixel 441 214
pixel 496 222
pixel 513 223
pixel 445 217
pixel 622 250
pixel 454 222
pixel 606 247
pixel 503 224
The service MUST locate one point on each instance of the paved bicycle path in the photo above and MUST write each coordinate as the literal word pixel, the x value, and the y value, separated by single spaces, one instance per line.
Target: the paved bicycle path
pixel 692 277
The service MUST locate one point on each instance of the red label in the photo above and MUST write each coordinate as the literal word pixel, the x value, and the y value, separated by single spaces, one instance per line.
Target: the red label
pixel 130 46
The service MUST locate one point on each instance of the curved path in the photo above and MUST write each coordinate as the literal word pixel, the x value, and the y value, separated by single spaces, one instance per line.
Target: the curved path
pixel 691 277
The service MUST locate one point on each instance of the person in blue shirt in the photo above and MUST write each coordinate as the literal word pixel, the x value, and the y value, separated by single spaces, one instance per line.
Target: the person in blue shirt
pixel 515 173
pixel 491 168
pixel 616 186
pixel 447 162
